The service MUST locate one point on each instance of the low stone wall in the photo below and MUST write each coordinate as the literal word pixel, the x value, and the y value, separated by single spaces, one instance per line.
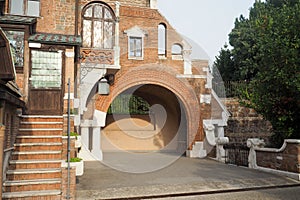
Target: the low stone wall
pixel 286 159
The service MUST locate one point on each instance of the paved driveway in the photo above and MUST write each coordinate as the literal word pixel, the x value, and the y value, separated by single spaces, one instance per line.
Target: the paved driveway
pixel 184 176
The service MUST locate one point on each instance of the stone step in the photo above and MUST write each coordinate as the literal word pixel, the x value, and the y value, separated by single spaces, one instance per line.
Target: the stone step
pixel 38 146
pixel 34 164
pixel 31 174
pixel 38 138
pixel 41 124
pixel 41 118
pixel 33 195
pixel 40 131
pixel 32 185
pixel 35 155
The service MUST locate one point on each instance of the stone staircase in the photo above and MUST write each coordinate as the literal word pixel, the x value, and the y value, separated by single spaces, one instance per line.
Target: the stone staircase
pixel 35 166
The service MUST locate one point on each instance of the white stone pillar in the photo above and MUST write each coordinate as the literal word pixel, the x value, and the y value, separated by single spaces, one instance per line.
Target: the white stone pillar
pixel 187 61
pixel 96 148
pixel 221 140
pixel 153 4
pixel 117 45
pixel 85 137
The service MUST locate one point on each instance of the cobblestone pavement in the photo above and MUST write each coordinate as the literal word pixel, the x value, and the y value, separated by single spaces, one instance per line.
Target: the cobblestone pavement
pixel 185 176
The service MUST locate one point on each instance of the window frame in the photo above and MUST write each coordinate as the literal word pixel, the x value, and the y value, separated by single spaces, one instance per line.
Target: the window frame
pixel 25 8
pixel 135 32
pixel 162 40
pixel 177 55
pixel 135 48
pixel 102 20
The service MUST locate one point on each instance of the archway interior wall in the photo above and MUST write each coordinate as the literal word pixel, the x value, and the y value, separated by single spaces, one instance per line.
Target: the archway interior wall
pixel 164 128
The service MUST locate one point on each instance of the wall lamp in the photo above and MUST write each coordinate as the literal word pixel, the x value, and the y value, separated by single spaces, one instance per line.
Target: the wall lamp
pixel 104 83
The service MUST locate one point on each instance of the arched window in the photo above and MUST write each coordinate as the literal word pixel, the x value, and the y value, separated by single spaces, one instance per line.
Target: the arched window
pixel 162 39
pixel 98 26
pixel 176 49
pixel 177 52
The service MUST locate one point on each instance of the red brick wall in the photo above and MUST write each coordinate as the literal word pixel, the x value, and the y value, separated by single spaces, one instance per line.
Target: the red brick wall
pixel 245 123
pixel 65 183
pixel 57 16
pixel 73 152
pixel 287 160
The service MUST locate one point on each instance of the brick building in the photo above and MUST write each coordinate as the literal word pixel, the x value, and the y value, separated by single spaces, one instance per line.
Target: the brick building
pixel 134 86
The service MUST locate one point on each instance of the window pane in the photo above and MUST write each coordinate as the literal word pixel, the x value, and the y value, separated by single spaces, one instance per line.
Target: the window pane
pixel 131 47
pixel 161 39
pixel 176 49
pixel 98 11
pixel 16 7
pixel 33 8
pixel 138 43
pixel 97 34
pixel 88 12
pixel 87 33
pixel 107 14
pixel 46 69
pixel 108 35
pixel 16 40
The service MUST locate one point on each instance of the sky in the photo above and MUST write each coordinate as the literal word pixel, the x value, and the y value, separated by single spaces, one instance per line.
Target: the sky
pixel 206 22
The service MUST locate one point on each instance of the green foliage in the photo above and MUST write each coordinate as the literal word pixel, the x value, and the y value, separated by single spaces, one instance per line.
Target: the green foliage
pixel 76 159
pixel 129 104
pixel 72 134
pixel 266 49
pixel 225 65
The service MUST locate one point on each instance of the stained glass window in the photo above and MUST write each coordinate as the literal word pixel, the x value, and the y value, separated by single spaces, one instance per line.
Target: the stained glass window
pixel 46 69
pixel 16 40
pixel 98 26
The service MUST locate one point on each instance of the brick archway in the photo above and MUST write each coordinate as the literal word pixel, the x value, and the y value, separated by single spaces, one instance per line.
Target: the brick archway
pixel 165 77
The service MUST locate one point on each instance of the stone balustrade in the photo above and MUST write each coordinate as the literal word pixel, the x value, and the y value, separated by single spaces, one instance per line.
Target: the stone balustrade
pixel 285 160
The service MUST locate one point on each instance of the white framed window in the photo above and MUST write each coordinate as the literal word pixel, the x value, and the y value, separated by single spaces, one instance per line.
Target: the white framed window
pixel 177 52
pixel 135 47
pixel 25 7
pixel 162 40
pixel 135 43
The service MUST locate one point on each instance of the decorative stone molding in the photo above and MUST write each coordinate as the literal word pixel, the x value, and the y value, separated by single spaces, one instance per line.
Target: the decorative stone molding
pixel 153 4
pixel 105 57
pixel 205 98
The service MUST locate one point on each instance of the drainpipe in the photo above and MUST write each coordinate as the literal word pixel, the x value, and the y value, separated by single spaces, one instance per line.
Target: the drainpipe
pixel 77 48
pixel 2 129
pixel 76 16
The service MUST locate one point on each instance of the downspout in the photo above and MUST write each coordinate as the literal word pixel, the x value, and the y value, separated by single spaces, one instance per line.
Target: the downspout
pixel 77 48
pixel 76 16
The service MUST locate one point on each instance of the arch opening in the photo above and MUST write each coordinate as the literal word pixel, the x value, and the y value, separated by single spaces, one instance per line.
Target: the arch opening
pixel 145 118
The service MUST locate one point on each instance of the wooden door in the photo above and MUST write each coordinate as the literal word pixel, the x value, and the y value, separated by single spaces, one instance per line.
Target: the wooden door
pixel 46 83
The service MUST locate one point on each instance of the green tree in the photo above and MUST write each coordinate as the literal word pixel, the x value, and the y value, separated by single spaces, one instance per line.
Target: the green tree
pixel 266 52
